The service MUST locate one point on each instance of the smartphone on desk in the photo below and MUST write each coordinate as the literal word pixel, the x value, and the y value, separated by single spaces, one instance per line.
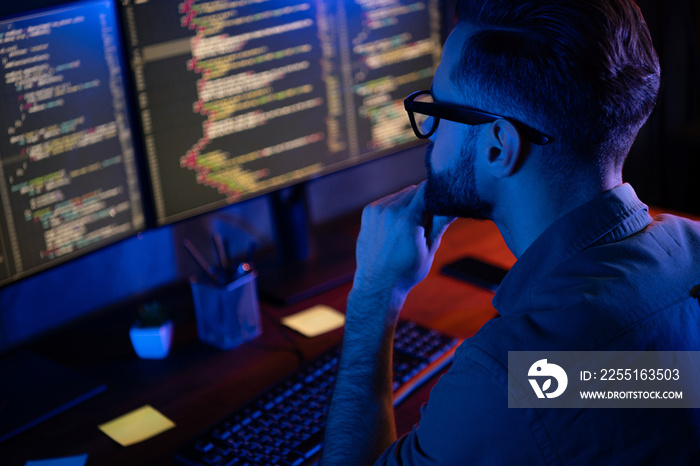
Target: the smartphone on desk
pixel 476 272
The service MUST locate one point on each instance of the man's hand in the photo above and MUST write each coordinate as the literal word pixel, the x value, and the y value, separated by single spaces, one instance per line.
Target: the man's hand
pixel 395 250
pixel 396 245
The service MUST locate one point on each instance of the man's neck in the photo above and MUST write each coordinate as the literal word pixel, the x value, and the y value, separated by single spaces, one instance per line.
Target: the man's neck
pixel 528 213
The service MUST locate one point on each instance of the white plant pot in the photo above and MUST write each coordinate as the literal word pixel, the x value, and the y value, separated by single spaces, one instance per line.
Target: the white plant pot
pixel 152 342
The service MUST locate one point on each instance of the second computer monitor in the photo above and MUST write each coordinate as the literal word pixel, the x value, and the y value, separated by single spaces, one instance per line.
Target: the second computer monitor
pixel 240 98
pixel 68 171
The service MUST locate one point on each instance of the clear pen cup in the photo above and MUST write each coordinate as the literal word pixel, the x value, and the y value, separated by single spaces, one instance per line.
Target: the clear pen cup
pixel 227 315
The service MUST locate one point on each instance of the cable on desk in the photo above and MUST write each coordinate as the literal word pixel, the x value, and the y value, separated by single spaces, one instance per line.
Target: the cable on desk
pixel 295 348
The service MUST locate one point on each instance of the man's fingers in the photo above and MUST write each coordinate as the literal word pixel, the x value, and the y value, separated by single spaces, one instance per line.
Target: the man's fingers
pixel 399 198
pixel 440 224
pixel 418 202
pixel 413 198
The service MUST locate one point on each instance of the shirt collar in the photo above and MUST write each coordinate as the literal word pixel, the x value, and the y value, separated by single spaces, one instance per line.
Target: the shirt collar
pixel 609 217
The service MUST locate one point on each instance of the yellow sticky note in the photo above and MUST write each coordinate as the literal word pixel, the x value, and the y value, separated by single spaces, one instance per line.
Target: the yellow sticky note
pixel 315 320
pixel 137 426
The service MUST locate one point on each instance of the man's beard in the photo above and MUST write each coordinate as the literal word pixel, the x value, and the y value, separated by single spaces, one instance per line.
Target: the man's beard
pixel 453 192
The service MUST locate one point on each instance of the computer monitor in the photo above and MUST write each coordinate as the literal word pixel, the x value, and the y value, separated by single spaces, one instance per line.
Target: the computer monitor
pixel 68 176
pixel 241 98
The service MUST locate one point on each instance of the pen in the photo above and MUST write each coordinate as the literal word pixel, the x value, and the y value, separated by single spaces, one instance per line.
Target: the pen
pixel 208 269
pixel 242 269
pixel 221 251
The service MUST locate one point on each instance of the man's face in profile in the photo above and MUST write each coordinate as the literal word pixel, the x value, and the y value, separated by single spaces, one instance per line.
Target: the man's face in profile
pixel 453 192
pixel 450 158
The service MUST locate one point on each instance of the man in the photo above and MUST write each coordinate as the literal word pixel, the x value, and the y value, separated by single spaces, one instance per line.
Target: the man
pixel 574 81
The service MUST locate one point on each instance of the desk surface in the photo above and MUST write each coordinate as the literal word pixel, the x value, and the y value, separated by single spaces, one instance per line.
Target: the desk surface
pixel 197 385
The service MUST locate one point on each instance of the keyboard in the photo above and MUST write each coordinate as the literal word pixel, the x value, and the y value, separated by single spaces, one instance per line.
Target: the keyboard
pixel 285 425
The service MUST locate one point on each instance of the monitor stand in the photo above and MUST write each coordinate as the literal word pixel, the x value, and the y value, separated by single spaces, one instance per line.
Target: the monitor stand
pixel 306 264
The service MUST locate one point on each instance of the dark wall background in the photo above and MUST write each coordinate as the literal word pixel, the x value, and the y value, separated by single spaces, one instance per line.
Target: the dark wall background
pixel 664 163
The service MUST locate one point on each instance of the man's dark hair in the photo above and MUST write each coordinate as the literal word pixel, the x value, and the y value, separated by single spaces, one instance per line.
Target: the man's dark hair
pixel 583 71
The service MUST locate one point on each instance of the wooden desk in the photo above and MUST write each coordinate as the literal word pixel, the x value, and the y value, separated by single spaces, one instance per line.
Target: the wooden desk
pixel 197 385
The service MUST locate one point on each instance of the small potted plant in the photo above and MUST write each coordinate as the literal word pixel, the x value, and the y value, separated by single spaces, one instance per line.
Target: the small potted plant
pixel 152 333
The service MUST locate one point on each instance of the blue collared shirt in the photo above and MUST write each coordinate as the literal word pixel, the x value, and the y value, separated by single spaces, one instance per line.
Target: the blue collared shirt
pixel 605 276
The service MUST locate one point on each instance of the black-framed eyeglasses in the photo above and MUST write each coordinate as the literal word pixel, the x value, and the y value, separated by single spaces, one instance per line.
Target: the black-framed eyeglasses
pixel 420 106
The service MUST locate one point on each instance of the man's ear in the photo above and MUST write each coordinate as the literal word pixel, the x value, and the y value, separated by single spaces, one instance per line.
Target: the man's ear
pixel 505 149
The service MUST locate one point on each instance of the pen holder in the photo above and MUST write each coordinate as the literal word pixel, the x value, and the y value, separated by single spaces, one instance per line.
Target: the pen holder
pixel 228 315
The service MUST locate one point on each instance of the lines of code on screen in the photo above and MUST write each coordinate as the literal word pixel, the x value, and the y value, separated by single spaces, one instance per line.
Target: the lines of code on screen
pixel 240 97
pixel 68 181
